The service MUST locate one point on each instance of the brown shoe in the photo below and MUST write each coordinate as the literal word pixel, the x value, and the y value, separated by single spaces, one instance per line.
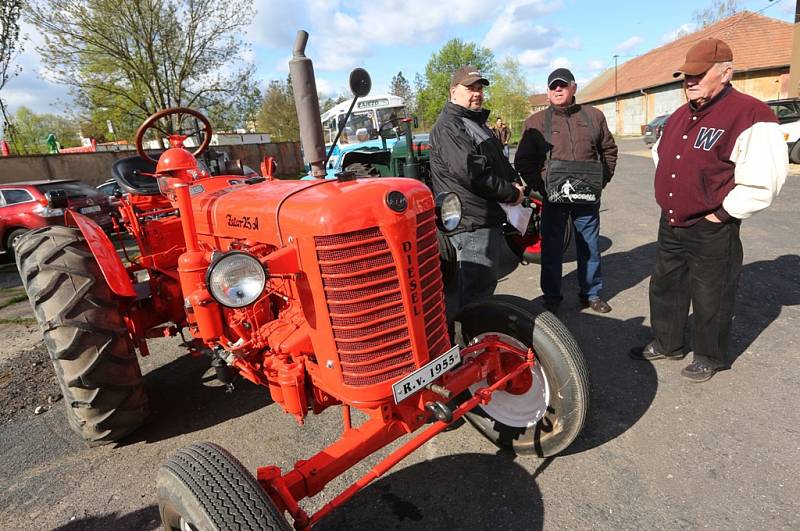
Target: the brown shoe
pixel 596 305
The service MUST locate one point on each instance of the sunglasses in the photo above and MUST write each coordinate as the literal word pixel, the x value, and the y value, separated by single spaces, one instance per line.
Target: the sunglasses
pixel 555 84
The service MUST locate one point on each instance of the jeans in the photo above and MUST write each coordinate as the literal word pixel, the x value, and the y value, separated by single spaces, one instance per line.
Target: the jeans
pixel 586 221
pixel 479 253
pixel 697 265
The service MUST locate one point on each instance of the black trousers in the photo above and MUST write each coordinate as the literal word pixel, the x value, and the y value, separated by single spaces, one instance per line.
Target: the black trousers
pixel 697 265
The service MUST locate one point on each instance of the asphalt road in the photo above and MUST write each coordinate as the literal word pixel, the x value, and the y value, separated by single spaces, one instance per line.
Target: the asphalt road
pixel 657 451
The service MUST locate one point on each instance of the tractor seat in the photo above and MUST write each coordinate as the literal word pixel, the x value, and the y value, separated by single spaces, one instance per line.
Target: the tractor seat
pixel 128 174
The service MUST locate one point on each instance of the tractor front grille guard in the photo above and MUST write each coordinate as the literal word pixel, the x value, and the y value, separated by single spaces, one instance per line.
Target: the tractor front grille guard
pixel 363 295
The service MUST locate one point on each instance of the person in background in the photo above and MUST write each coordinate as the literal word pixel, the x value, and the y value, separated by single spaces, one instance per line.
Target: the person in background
pixel 467 159
pixel 503 134
pixel 578 133
pixel 720 159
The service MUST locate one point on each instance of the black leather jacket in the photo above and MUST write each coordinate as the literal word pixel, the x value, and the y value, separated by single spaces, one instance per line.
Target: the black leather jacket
pixel 466 158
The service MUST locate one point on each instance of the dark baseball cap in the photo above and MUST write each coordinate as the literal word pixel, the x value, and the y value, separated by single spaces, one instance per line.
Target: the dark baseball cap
pixel 560 74
pixel 703 55
pixel 467 76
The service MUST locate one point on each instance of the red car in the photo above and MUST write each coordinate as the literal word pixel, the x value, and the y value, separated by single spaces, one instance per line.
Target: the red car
pixel 23 207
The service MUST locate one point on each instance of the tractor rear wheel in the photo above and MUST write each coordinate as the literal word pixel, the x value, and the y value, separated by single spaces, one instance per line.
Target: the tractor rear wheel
pixel 85 334
pixel 204 487
pixel 528 247
pixel 548 417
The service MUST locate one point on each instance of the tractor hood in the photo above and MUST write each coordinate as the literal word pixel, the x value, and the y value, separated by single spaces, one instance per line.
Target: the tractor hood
pixel 273 211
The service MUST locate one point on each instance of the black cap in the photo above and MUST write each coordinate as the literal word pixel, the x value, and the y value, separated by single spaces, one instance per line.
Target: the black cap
pixel 560 74
pixel 467 76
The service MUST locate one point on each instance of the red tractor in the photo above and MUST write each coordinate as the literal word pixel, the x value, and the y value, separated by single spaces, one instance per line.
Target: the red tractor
pixel 327 293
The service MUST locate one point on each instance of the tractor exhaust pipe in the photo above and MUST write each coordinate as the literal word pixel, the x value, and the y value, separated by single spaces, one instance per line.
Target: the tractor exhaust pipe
pixel 306 102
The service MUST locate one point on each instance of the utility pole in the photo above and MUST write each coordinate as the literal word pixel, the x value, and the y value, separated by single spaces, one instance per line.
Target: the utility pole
pixel 616 97
pixel 794 67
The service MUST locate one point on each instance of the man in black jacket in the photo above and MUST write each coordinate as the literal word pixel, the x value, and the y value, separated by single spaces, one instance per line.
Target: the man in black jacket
pixel 467 158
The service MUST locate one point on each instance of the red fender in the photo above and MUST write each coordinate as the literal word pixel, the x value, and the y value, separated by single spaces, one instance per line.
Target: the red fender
pixel 103 250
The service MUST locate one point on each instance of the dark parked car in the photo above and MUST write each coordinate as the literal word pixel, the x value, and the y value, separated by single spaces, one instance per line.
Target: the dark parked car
pixel 787 110
pixel 23 207
pixel 652 131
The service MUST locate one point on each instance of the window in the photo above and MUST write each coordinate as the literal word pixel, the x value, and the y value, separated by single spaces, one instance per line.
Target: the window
pixel 12 197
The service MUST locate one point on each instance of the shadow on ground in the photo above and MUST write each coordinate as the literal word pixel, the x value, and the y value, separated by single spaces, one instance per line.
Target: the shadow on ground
pixel 186 397
pixel 765 287
pixel 494 492
pixel 144 519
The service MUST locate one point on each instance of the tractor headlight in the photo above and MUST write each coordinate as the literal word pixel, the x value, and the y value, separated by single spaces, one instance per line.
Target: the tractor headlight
pixel 448 210
pixel 236 279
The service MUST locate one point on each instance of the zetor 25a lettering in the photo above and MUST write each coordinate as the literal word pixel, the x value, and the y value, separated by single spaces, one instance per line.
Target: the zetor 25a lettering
pixel 244 222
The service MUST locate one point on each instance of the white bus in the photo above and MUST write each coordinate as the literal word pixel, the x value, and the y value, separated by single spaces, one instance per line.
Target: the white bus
pixel 368 114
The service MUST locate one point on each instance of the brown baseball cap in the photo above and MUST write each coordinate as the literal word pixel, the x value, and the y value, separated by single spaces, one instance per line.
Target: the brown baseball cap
pixel 703 55
pixel 467 76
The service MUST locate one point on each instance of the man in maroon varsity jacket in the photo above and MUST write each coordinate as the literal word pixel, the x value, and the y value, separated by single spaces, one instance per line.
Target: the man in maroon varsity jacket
pixel 721 158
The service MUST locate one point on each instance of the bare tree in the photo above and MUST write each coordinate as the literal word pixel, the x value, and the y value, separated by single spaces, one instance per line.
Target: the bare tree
pixel 138 56
pixel 10 47
pixel 718 10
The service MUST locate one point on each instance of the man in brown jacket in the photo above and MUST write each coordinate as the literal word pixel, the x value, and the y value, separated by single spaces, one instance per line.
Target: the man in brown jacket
pixel 503 134
pixel 577 133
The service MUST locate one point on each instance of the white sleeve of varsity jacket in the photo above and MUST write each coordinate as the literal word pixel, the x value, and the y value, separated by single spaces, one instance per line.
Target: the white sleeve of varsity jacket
pixel 762 162
pixel 654 151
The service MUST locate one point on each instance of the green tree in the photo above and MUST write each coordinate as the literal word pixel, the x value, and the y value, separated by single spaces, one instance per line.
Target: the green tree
pixel 10 47
pixel 401 87
pixel 278 115
pixel 327 104
pixel 240 112
pixel 508 96
pixel 139 56
pixel 435 90
pixel 718 10
pixel 32 130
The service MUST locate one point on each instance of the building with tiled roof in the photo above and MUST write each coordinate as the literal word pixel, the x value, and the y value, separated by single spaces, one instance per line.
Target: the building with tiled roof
pixel 644 87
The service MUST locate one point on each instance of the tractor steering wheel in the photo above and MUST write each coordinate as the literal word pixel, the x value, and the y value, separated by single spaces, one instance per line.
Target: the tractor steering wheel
pixel 174 127
pixel 392 123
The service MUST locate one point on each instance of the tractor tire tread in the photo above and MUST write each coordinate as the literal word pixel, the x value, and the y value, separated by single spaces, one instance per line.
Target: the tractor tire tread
pixel 227 493
pixel 88 343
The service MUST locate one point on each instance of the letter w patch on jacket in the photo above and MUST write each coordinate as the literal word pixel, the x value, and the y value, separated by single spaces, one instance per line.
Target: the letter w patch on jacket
pixel 707 137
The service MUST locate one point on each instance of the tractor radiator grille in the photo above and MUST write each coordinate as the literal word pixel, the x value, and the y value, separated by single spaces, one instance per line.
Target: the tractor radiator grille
pixel 430 274
pixel 362 291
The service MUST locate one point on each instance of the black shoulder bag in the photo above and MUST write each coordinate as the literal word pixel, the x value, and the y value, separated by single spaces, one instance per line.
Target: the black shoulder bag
pixel 572 181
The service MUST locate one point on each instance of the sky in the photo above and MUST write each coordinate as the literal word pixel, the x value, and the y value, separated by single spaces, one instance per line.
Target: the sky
pixel 391 36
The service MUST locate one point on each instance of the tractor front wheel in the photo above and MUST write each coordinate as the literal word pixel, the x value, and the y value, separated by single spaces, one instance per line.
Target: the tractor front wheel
pixel 545 419
pixel 204 487
pixel 92 355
